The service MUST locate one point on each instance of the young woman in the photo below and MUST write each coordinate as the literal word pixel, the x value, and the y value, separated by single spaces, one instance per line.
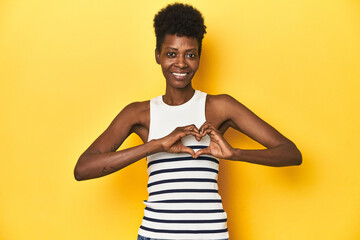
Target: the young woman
pixel 183 139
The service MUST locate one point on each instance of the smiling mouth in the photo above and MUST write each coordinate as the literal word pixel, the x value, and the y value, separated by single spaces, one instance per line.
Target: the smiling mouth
pixel 180 74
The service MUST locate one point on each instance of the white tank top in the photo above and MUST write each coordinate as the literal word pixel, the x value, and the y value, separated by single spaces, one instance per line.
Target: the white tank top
pixel 183 201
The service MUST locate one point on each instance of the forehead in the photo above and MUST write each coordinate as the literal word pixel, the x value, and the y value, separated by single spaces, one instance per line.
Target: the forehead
pixel 180 43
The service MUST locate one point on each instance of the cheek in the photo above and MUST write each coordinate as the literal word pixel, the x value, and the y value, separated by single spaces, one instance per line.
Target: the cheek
pixel 163 65
pixel 166 63
pixel 195 66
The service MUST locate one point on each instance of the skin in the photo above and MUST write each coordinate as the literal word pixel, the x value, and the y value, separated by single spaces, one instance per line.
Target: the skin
pixel 179 60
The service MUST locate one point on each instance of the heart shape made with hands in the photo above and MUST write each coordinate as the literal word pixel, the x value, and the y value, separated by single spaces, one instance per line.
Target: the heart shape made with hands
pixel 207 136
pixel 210 137
pixel 203 140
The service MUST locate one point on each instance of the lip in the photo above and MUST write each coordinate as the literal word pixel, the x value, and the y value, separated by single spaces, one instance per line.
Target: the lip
pixel 180 75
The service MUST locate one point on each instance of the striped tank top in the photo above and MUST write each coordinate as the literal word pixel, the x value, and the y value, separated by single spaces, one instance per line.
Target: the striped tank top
pixel 183 201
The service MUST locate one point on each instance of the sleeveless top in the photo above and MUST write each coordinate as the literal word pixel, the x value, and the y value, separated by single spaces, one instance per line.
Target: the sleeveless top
pixel 183 201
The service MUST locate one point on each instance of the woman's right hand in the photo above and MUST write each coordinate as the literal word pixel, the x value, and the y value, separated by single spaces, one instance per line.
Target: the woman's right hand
pixel 172 142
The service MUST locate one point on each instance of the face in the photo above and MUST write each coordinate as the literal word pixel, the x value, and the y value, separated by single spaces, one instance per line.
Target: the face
pixel 179 60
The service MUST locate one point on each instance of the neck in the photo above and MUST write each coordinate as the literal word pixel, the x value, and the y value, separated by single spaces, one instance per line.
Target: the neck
pixel 174 96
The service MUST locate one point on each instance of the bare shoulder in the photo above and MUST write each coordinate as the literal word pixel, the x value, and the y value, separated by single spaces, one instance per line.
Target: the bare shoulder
pixel 219 109
pixel 219 99
pixel 137 107
pixel 224 104
pixel 234 114
pixel 134 113
pixel 129 118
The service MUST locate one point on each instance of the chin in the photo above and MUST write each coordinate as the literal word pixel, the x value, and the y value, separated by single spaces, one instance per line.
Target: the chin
pixel 179 84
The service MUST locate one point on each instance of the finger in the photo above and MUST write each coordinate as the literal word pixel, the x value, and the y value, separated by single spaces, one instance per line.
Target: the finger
pixel 211 132
pixel 197 135
pixel 209 124
pixel 203 151
pixel 195 129
pixel 183 132
pixel 206 125
pixel 198 138
pixel 185 149
pixel 190 132
pixel 203 127
pixel 192 127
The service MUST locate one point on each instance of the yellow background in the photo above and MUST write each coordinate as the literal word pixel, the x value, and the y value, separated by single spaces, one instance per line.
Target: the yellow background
pixel 68 67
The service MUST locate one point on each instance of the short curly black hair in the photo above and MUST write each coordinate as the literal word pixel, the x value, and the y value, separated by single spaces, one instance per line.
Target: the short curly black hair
pixel 180 19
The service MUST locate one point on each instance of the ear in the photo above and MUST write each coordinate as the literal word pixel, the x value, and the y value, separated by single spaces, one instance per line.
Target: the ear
pixel 157 56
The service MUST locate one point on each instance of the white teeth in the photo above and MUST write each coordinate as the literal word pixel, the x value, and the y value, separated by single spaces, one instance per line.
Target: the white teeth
pixel 180 74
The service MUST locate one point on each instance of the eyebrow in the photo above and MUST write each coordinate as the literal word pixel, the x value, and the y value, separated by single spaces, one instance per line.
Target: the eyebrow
pixel 191 49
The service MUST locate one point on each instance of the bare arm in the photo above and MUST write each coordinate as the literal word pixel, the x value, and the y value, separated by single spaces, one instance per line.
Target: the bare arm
pixel 280 150
pixel 282 155
pixel 100 158
pixel 93 165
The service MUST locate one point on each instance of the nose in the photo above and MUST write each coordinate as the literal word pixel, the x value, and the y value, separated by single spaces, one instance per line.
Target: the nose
pixel 181 62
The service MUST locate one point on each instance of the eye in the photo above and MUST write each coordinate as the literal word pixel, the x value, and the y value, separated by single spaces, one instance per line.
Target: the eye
pixel 171 54
pixel 191 55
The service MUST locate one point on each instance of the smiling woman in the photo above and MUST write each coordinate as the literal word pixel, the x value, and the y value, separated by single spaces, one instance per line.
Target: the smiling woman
pixel 183 139
pixel 179 60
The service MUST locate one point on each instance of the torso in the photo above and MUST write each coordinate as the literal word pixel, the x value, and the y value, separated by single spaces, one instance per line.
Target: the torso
pixel 215 113
pixel 183 189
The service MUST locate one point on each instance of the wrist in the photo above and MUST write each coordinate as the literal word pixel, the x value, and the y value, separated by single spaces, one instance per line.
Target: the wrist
pixel 236 154
pixel 156 146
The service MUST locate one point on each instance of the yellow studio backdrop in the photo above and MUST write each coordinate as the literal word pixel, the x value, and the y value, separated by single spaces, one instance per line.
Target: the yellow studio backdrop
pixel 68 67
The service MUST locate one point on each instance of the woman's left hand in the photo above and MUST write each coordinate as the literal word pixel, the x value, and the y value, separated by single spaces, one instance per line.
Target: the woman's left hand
pixel 218 147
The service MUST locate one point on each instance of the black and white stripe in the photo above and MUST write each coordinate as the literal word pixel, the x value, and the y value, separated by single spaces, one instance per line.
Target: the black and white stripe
pixel 183 202
pixel 183 198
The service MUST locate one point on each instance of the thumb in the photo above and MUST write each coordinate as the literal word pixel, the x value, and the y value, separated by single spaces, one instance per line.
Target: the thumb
pixel 202 151
pixel 185 149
